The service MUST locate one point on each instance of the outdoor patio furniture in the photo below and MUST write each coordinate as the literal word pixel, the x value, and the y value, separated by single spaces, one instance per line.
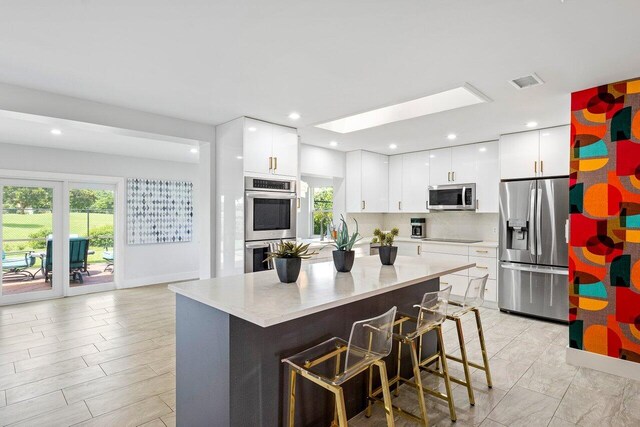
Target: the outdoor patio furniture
pixel 17 267
pixel 107 255
pixel 78 257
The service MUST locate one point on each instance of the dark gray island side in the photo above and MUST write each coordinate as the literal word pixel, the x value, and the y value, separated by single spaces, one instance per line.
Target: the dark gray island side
pixel 232 332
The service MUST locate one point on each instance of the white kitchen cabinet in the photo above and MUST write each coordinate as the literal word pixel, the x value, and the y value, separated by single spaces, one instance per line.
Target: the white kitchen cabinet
pixel 415 181
pixel 367 185
pixel 270 149
pixel 488 176
pixel 440 166
pixel 409 182
pixel 554 151
pixel 395 183
pixel 409 248
pixel 535 154
pixel 463 164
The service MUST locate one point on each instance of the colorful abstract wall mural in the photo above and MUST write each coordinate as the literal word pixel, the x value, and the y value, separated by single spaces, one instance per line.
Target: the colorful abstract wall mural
pixel 604 247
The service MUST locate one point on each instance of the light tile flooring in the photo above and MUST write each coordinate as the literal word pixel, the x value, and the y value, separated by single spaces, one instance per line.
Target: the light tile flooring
pixel 533 385
pixel 108 359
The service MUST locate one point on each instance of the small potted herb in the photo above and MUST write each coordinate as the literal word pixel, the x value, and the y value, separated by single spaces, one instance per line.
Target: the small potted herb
pixel 344 255
pixel 288 258
pixel 387 251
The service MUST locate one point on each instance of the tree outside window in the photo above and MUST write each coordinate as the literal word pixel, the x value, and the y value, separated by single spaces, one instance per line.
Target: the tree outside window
pixel 322 209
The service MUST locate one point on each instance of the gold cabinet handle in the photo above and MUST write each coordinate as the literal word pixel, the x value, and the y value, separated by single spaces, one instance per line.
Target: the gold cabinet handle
pixel 270 163
pixel 481 252
pixel 444 283
pixel 449 176
pixel 419 249
pixel 541 166
pixel 275 163
pixel 482 267
pixel 363 205
pixel 399 206
pixel 535 167
pixel 453 176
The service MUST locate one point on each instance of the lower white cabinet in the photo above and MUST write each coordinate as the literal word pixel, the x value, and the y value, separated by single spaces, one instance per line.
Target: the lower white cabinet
pixel 485 258
pixel 409 248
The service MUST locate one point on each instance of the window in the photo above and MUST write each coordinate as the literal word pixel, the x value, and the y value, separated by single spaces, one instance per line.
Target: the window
pixel 321 209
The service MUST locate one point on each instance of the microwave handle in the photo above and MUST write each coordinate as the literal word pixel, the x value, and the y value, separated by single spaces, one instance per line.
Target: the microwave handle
pixel 266 195
pixel 464 196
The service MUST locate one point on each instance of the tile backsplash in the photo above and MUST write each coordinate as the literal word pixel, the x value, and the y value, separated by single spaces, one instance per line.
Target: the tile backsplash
pixel 452 225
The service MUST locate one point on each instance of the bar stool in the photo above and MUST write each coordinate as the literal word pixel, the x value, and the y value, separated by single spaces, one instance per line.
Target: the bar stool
pixel 473 299
pixel 411 329
pixel 369 342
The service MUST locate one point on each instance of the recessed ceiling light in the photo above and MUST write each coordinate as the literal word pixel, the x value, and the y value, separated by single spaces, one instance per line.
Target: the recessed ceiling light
pixel 451 136
pixel 294 116
pixel 194 150
pixel 532 124
pixel 458 97
pixel 56 131
pixel 393 146
pixel 252 129
pixel 239 157
pixel 333 144
pixel 482 149
pixel 432 156
pixel 546 134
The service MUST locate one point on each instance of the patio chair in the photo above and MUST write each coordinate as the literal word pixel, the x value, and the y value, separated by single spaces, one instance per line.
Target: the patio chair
pixel 107 255
pixel 78 258
pixel 17 267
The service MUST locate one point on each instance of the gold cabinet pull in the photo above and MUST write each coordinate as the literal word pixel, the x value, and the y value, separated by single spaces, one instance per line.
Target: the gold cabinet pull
pixel 449 176
pixel 541 166
pixel 535 167
pixel 419 249
pixel 481 252
pixel 453 176
pixel 275 163
pixel 482 267
pixel 270 163
pixel 363 205
pixel 399 206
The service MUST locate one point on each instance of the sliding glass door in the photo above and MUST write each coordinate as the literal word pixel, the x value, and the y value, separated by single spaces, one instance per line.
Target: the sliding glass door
pixel 30 233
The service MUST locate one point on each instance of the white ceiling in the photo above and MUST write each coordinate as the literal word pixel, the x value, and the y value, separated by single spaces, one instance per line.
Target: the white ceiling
pixel 211 61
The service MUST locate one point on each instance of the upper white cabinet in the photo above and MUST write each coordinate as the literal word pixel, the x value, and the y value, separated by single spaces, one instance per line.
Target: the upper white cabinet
pixel 270 149
pixel 440 166
pixel 535 154
pixel 409 182
pixel 367 185
pixel 463 164
pixel 554 151
pixel 487 178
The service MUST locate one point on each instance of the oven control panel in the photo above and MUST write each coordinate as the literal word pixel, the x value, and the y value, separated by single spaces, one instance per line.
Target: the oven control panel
pixel 270 184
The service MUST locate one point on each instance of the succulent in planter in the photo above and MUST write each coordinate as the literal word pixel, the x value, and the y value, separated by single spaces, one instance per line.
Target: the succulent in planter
pixel 288 258
pixel 387 251
pixel 344 255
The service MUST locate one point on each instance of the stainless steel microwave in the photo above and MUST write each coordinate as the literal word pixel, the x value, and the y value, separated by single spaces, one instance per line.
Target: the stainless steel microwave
pixel 270 209
pixel 452 197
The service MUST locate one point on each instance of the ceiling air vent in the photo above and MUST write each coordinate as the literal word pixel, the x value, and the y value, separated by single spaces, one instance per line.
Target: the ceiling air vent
pixel 526 81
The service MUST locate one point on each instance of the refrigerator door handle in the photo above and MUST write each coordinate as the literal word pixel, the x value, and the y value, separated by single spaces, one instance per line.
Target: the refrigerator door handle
pixel 538 223
pixel 532 220
pixel 535 269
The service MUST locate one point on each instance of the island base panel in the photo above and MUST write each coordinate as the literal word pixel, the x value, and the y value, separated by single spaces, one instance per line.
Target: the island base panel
pixel 229 371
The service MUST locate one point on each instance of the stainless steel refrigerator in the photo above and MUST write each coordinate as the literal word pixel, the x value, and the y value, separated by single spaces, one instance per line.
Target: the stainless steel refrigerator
pixel 534 254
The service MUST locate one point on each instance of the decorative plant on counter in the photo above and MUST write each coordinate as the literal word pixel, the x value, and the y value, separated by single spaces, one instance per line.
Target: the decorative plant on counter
pixel 387 251
pixel 288 258
pixel 385 239
pixel 344 255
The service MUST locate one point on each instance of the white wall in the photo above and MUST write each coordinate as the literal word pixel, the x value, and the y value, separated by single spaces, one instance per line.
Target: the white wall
pixel 145 264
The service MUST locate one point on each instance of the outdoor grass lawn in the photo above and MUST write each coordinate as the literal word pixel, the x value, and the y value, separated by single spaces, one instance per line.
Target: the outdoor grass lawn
pixel 18 226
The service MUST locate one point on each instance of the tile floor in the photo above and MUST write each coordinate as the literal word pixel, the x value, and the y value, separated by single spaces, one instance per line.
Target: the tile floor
pixel 108 359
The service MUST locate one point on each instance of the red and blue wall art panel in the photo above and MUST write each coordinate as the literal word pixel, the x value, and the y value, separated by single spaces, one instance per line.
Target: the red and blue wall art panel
pixel 604 247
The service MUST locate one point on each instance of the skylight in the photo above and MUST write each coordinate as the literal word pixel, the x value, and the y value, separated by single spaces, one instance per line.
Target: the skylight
pixel 459 97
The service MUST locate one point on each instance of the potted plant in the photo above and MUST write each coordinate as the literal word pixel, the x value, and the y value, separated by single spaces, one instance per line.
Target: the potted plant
pixel 387 251
pixel 288 258
pixel 344 255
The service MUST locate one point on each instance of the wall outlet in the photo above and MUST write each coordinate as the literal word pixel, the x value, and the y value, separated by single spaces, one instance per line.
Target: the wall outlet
pixel 495 230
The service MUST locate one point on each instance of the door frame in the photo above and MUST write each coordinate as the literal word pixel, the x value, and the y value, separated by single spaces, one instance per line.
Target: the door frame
pixel 119 221
pixel 57 280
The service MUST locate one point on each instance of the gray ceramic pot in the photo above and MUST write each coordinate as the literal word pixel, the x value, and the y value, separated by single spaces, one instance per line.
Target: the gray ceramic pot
pixel 288 269
pixel 388 254
pixel 343 260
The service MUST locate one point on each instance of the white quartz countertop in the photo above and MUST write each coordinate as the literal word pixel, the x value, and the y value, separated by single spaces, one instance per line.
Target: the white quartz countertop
pixel 261 299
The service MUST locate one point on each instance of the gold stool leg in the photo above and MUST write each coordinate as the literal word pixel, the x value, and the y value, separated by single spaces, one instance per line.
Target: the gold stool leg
pixel 396 392
pixel 292 397
pixel 418 380
pixel 386 394
pixel 342 410
pixel 445 374
pixel 336 372
pixel 465 361
pixel 367 412
pixel 485 357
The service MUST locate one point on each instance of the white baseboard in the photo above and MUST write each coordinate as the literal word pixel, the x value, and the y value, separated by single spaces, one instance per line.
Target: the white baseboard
pixel 610 365
pixel 164 278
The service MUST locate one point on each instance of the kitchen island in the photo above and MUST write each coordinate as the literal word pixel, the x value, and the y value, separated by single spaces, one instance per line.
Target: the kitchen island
pixel 232 332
